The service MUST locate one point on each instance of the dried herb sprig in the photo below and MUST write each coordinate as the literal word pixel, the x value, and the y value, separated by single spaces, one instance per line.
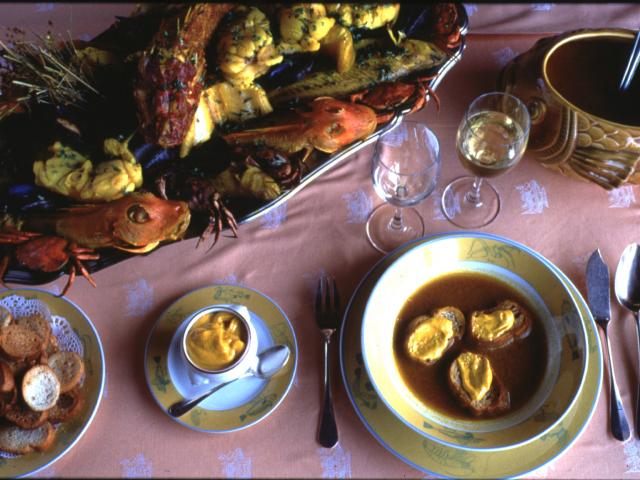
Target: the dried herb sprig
pixel 40 72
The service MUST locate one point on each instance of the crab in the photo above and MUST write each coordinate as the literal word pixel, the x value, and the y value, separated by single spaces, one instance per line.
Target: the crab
pixel 388 97
pixel 47 253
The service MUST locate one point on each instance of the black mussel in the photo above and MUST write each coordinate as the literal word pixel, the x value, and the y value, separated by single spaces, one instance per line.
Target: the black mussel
pixel 414 20
pixel 26 197
pixel 204 161
pixel 150 155
pixel 293 68
pixel 128 34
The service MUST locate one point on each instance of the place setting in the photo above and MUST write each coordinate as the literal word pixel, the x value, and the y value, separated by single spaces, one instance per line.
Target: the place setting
pixel 468 344
pixel 403 391
pixel 439 443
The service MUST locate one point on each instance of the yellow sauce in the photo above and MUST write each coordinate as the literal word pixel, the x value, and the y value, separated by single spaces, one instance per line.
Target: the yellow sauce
pixel 489 326
pixel 476 375
pixel 430 337
pixel 216 340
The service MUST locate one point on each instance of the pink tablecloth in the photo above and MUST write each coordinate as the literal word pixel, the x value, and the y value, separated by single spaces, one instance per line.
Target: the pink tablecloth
pixel 322 230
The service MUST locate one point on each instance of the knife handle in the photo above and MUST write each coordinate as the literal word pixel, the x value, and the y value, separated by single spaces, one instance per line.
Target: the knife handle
pixel 619 423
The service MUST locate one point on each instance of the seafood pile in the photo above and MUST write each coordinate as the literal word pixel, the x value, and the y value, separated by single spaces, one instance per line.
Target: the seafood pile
pixel 182 119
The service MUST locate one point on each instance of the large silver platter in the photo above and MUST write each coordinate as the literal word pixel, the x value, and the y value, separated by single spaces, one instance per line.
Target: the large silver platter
pixel 111 257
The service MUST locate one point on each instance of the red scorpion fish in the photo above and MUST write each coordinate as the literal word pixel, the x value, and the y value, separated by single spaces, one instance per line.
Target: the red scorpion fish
pixel 136 223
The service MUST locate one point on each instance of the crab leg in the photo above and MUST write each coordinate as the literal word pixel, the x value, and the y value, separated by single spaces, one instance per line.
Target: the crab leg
pixel 72 277
pixel 85 272
pixel 4 263
pixel 73 268
pixel 219 213
pixel 17 237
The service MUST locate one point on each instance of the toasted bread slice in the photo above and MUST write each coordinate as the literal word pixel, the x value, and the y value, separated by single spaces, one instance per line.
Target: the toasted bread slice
pixel 495 400
pixel 51 348
pixel 24 417
pixel 8 400
pixel 18 342
pixel 67 407
pixel 40 388
pixel 38 324
pixel 7 382
pixel 5 317
pixel 429 337
pixel 520 329
pixel 19 367
pixel 69 368
pixel 14 439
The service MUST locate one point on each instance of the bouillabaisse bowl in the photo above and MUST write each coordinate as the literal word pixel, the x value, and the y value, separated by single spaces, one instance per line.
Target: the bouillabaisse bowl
pixel 532 277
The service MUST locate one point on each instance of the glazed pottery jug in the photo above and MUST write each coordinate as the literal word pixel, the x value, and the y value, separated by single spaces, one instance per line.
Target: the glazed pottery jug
pixel 581 125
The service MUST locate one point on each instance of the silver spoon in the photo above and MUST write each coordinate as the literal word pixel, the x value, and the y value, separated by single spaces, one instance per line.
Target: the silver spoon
pixel 627 287
pixel 269 363
pixel 632 64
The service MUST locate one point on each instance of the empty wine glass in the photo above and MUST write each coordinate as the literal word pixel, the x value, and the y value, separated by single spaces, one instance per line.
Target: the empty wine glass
pixel 491 140
pixel 405 170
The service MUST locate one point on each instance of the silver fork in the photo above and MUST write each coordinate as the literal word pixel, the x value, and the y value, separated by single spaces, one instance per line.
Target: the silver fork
pixel 328 319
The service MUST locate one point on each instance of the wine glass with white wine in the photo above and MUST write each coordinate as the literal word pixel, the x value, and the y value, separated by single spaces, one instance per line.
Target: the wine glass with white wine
pixel 491 140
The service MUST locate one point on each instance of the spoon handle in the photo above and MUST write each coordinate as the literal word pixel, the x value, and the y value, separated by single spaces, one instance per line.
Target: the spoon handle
pixel 619 423
pixel 637 317
pixel 632 64
pixel 183 406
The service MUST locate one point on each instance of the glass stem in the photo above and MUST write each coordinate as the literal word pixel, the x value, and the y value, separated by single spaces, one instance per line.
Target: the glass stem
pixel 473 196
pixel 396 221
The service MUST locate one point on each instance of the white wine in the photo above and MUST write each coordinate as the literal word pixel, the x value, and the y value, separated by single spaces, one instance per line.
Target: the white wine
pixel 490 143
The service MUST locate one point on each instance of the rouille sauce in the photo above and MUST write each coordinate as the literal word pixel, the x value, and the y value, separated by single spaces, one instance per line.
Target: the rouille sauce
pixel 520 365
pixel 587 73
pixel 216 340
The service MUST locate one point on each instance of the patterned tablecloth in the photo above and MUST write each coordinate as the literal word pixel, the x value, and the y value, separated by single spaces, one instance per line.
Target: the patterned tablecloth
pixel 321 230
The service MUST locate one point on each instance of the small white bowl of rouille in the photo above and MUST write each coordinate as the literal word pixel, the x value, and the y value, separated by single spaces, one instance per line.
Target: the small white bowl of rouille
pixel 219 342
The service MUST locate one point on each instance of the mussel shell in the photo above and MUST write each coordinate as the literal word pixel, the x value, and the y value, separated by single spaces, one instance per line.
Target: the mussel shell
pixel 415 20
pixel 26 197
pixel 293 68
pixel 150 155
pixel 128 34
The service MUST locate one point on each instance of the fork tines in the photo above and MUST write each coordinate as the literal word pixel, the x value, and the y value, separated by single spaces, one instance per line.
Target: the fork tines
pixel 327 303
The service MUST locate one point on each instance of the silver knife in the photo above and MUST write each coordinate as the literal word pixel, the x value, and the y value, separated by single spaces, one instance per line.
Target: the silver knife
pixel 599 296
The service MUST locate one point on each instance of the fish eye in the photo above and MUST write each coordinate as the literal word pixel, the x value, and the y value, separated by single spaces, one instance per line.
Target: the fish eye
pixel 335 129
pixel 137 214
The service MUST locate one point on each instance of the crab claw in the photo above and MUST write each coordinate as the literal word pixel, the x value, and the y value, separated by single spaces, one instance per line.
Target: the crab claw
pixel 218 215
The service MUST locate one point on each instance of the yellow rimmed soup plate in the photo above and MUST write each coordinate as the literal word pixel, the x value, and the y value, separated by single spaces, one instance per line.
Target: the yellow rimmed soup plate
pixel 534 278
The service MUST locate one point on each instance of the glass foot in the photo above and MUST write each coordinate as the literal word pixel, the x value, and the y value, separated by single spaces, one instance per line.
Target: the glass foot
pixel 459 208
pixel 386 234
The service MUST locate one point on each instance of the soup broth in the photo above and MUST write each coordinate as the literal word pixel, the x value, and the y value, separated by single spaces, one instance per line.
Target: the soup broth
pixel 520 365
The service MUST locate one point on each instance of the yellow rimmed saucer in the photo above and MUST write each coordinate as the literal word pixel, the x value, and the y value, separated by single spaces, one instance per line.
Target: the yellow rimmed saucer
pixel 68 433
pixel 240 404
pixel 432 457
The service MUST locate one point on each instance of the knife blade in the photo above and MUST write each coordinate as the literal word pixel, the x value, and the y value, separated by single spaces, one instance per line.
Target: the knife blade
pixel 599 297
pixel 598 287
